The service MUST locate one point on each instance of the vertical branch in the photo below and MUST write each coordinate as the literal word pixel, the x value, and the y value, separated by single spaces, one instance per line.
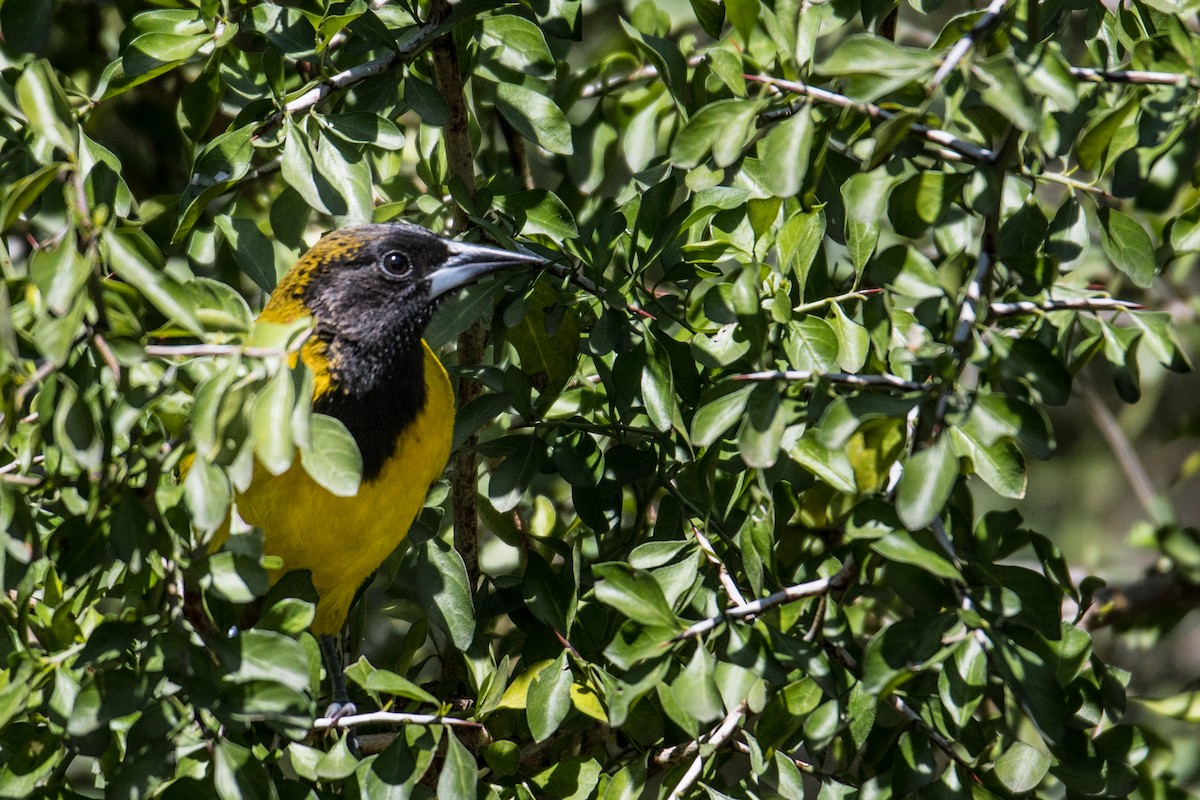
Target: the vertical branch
pixel 457 137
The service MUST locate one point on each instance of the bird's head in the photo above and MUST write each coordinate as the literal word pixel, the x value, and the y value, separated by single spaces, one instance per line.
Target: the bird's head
pixel 373 289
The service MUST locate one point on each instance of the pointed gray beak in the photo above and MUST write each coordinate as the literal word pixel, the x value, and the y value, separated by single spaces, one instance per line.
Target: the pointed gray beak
pixel 470 262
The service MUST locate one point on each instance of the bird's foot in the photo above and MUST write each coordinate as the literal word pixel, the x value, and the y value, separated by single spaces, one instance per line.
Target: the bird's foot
pixel 337 710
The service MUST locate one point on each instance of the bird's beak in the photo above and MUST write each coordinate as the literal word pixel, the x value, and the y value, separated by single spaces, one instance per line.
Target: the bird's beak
pixel 470 262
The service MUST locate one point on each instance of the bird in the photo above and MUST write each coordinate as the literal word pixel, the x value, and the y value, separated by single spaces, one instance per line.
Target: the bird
pixel 371 291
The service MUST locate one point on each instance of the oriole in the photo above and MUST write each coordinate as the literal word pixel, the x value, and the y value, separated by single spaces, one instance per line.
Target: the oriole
pixel 371 291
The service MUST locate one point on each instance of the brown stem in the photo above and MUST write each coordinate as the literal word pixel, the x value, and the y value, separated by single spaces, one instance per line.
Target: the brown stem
pixel 460 158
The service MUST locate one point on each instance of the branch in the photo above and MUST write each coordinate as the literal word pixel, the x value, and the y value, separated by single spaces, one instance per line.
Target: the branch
pixel 1135 76
pixel 404 53
pixel 1000 310
pixel 645 73
pixel 960 146
pixel 821 586
pixel 1156 505
pixel 715 739
pixel 731 588
pixel 860 381
pixel 963 45
pixel 456 134
pixel 390 718
pixel 1153 594
pixel 857 294
pixel 1064 180
pixel 206 350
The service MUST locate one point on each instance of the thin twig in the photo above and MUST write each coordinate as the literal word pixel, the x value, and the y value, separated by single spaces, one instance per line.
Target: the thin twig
pixel 731 588
pixel 391 718
pixel 43 371
pixel 1153 594
pixel 999 310
pixel 208 350
pixel 857 294
pixel 715 739
pixel 405 52
pixel 840 580
pixel 1136 76
pixel 1066 180
pixel 1156 505
pixel 963 45
pixel 646 73
pixel 585 283
pixel 861 381
pixel 938 137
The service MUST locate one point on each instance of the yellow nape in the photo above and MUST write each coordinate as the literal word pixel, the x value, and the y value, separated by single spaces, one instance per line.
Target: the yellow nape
pixel 342 540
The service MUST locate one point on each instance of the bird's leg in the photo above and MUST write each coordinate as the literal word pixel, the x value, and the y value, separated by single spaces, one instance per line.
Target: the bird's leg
pixel 341 705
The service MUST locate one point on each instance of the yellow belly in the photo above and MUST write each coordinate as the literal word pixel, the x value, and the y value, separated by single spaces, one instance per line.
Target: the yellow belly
pixel 342 540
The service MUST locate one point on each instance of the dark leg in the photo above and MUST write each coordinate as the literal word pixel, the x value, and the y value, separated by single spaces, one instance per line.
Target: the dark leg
pixel 341 705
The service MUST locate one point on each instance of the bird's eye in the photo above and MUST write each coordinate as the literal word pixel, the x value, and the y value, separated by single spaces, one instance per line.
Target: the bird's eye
pixel 396 263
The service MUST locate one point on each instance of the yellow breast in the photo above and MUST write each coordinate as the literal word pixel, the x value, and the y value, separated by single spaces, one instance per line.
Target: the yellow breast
pixel 342 540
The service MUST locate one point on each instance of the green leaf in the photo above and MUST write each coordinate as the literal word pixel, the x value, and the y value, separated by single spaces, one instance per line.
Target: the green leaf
pixel 901 546
pixel 516 43
pixel 832 466
pixel 333 460
pixel 23 192
pixel 695 689
pixel 549 698
pixel 535 116
pixel 538 211
pixel 786 149
pixel 208 496
pixel 251 249
pixel 866 54
pixel 999 464
pixel 436 578
pixel 273 405
pixel 665 56
pixel 799 240
pixel 658 385
pixel 635 594
pixel 744 16
pixel 962 680
pixel 761 433
pixel 387 682
pixel 717 415
pixel 546 339
pixel 44 104
pixel 509 481
pixel 785 712
pixel 124 252
pixel 573 778
pixel 1128 246
pixel 723 124
pixel 710 15
pixel 1022 767
pixel 853 340
pixel 926 483
pixel 458 777
pixel 811 345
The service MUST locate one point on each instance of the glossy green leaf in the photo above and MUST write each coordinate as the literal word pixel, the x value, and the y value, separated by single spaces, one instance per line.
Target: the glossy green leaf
pixel 925 484
pixel 333 460
pixel 535 116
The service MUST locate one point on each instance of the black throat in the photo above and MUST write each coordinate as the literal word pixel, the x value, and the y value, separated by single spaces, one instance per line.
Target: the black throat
pixel 376 418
